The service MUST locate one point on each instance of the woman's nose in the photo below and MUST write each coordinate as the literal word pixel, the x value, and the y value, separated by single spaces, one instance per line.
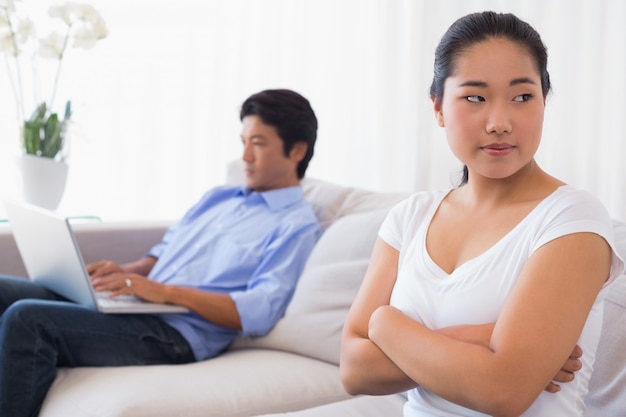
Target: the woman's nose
pixel 499 121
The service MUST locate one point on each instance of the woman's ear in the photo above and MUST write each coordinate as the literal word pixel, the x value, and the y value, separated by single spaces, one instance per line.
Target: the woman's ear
pixel 438 112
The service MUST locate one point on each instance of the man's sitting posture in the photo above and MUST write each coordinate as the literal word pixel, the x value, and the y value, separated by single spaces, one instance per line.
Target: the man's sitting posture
pixel 233 260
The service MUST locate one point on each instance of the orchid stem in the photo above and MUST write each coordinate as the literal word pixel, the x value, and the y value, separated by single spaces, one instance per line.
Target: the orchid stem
pixel 18 90
pixel 58 74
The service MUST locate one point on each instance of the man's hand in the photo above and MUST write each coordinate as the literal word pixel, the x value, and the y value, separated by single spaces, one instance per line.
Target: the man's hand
pixel 141 266
pixel 127 283
pixel 102 268
pixel 127 279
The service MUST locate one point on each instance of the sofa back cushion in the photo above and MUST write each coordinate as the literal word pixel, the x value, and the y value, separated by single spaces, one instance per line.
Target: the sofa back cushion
pixel 332 201
pixel 313 322
pixel 607 386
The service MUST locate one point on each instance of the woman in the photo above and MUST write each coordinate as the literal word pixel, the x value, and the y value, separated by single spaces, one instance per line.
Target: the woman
pixel 475 297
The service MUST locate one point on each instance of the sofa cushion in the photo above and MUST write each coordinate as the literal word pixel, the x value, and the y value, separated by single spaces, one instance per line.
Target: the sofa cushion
pixel 331 201
pixel 241 383
pixel 607 386
pixel 313 321
pixel 363 406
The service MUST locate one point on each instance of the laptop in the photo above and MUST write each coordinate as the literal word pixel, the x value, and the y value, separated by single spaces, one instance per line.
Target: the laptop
pixel 53 260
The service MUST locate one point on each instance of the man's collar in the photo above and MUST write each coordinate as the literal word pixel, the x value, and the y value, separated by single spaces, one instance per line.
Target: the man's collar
pixel 276 199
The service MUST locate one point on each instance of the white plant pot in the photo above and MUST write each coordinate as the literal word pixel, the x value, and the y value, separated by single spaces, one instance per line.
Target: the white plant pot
pixel 43 180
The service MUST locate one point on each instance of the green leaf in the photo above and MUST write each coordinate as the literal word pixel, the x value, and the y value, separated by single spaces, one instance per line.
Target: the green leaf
pixel 52 140
pixel 39 113
pixel 68 110
pixel 32 140
pixel 43 134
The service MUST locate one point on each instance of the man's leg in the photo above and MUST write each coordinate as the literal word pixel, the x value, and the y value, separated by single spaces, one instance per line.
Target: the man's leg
pixel 37 336
pixel 13 289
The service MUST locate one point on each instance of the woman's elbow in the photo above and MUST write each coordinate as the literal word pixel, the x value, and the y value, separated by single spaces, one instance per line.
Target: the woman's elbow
pixel 349 378
pixel 502 402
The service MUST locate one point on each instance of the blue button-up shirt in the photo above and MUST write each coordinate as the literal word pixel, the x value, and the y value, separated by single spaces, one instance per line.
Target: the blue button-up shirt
pixel 250 245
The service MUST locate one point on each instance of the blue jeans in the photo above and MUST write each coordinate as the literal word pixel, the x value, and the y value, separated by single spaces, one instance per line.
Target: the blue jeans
pixel 40 331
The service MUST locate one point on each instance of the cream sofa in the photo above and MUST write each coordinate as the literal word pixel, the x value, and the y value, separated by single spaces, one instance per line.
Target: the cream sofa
pixel 295 366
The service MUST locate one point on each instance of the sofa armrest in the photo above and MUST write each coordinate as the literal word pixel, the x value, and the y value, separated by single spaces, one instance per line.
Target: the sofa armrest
pixel 117 241
pixel 10 260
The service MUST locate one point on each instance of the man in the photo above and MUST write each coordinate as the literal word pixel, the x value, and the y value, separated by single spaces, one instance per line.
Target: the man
pixel 233 260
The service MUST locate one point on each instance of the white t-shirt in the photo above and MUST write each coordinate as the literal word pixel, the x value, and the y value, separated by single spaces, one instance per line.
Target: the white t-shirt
pixel 476 291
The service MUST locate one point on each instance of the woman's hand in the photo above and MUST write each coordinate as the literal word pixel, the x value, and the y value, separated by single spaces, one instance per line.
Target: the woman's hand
pixel 572 365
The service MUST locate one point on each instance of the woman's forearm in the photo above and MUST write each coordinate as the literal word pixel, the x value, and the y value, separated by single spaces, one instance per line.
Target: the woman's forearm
pixel 435 360
pixel 365 369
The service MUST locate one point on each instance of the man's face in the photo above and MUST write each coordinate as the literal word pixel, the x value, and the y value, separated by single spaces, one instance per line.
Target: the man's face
pixel 267 167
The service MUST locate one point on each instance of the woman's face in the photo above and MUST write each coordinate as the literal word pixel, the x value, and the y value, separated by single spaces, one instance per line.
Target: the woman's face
pixel 492 108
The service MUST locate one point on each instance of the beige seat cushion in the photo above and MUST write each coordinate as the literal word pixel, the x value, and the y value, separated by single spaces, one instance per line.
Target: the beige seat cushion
pixel 241 383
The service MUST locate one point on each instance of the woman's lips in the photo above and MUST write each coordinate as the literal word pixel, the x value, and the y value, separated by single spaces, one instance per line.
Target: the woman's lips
pixel 498 149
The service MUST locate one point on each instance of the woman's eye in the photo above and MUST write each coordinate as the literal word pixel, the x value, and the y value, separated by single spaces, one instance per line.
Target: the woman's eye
pixel 523 97
pixel 474 99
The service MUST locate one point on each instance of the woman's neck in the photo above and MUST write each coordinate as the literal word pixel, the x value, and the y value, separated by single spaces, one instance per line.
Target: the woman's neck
pixel 528 184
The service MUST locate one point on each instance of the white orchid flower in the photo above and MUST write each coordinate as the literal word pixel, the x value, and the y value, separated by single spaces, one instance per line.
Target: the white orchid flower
pixel 67 12
pixel 7 4
pixel 6 43
pixel 25 31
pixel 99 27
pixel 52 46
pixel 90 32
pixel 4 20
pixel 88 13
pixel 6 8
pixel 83 28
pixel 84 38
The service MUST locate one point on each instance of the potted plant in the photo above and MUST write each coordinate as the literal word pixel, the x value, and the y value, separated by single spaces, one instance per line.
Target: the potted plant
pixel 43 129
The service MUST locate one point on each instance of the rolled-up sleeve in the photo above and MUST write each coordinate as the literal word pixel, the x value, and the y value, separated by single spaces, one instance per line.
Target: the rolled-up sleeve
pixel 269 291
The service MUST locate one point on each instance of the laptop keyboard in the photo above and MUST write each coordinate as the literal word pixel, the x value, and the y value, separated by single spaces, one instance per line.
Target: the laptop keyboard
pixel 105 299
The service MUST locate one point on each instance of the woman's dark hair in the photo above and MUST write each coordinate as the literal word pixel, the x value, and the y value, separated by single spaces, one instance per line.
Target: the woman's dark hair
pixel 290 114
pixel 475 28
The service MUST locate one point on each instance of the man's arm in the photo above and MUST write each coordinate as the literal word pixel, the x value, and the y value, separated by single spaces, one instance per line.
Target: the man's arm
pixel 130 279
pixel 254 310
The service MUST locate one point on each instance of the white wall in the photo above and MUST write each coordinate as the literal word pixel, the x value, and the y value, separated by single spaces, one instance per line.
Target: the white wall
pixel 157 102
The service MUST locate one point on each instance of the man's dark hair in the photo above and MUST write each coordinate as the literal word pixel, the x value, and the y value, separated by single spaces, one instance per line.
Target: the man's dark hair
pixel 290 114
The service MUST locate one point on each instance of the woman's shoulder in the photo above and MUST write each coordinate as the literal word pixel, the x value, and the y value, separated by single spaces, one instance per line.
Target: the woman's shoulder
pixel 576 202
pixel 569 210
pixel 421 200
pixel 405 218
